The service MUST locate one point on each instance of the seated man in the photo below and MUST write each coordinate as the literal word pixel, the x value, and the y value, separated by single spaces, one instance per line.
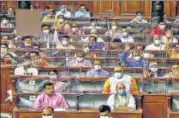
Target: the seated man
pixel 93 32
pixel 79 60
pixel 65 43
pixel 82 12
pixel 153 71
pixel 27 42
pixel 47 112
pixel 174 73
pixel 166 19
pixel 50 98
pixel 125 37
pixel 156 45
pixel 94 45
pixel 136 60
pixel 119 76
pixel 113 32
pixel 139 18
pixel 114 44
pixel 48 18
pixel 4 49
pixel 64 10
pixel 121 101
pixel 36 59
pixel 97 70
pixel 8 41
pixel 46 37
pixel 105 111
pixel 93 25
pixel 26 69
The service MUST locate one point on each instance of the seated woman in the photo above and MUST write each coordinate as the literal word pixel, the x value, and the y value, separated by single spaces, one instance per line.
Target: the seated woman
pixel 121 101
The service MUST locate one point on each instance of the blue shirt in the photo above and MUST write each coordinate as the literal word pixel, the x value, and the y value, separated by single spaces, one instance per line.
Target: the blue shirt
pixel 83 14
pixel 131 62
pixel 43 13
pixel 96 46
pixel 101 72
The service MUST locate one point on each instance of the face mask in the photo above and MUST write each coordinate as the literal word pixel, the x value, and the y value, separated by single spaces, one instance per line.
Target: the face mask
pixel 124 34
pixel 64 42
pixel 121 92
pixel 5 22
pixel 79 59
pixel 162 27
pixel 97 67
pixel 47 116
pixel 93 24
pixel 157 42
pixel 104 116
pixel 118 75
pixel 114 27
pixel 46 31
pixel 139 17
pixel 154 69
pixel 49 15
pixel 74 29
pixel 52 77
pixel 137 58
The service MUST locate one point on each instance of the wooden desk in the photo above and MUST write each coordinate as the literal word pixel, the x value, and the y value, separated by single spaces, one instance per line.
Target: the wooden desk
pixel 75 114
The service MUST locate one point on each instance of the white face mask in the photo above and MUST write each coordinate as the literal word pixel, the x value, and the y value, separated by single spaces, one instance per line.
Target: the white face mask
pixel 52 77
pixel 93 24
pixel 45 31
pixel 139 17
pixel 64 42
pixel 97 67
pixel 47 116
pixel 154 69
pixel 124 34
pixel 79 59
pixel 74 29
pixel 162 26
pixel 157 42
pixel 114 27
pixel 118 75
pixel 137 58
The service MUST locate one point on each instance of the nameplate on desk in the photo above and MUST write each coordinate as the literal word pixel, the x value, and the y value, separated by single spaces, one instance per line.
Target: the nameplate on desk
pixel 32 98
pixel 32 82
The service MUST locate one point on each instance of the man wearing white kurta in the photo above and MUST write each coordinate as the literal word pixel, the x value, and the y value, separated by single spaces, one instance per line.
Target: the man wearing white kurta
pixel 121 101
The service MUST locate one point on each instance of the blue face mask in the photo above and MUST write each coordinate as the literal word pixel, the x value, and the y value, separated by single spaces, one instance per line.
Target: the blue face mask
pixel 122 92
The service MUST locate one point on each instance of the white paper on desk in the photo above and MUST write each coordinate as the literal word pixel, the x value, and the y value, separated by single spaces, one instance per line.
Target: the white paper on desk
pixel 59 109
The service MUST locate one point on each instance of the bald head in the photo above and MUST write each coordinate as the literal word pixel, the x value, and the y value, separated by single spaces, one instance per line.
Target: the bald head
pixel 120 86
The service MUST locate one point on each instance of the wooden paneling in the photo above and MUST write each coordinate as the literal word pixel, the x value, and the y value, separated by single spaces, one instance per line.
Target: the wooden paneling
pixel 119 8
pixel 155 106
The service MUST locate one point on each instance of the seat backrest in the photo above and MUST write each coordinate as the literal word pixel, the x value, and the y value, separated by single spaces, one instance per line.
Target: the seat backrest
pixel 175 103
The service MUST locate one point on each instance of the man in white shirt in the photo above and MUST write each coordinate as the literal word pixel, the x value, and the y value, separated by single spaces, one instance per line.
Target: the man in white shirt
pixel 156 45
pixel 93 32
pixel 26 69
pixel 139 18
pixel 121 101
pixel 125 37
pixel 64 11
